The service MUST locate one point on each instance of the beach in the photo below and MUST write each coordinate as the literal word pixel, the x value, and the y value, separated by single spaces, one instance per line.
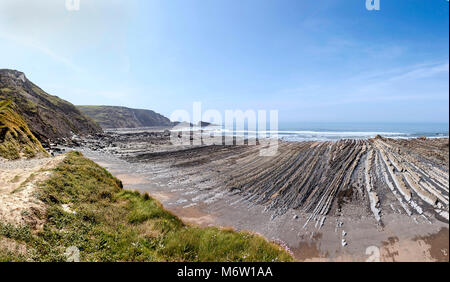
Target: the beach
pixel 352 200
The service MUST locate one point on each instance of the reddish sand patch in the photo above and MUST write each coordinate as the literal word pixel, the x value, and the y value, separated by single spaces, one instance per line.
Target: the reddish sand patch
pixel 161 196
pixel 429 248
pixel 438 244
pixel 194 216
pixel 129 179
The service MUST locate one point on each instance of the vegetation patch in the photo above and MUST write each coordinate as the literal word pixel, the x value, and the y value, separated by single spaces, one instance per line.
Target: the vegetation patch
pixel 87 208
pixel 47 116
pixel 16 139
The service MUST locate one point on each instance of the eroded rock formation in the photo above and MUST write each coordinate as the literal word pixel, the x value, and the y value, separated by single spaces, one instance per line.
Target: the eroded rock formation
pixel 321 177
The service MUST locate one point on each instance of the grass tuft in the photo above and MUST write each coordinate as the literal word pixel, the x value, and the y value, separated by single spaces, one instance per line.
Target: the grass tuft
pixel 16 139
pixel 87 208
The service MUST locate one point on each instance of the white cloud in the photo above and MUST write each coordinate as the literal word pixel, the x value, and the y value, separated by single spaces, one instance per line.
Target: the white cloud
pixel 423 71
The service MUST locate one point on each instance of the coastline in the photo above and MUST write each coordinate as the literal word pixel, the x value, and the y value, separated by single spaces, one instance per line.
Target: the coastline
pixel 187 185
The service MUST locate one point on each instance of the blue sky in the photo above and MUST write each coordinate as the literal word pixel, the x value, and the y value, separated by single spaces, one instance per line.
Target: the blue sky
pixel 327 60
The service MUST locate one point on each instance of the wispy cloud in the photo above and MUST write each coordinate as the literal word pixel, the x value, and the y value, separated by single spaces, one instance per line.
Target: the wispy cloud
pixel 414 71
pixel 36 45
pixel 423 71
pixel 406 83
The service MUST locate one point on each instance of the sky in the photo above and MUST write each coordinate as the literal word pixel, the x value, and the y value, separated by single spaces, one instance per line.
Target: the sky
pixel 312 60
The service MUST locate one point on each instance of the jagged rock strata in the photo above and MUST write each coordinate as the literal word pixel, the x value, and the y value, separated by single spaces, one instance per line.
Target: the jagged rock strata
pixel 379 176
pixel 318 178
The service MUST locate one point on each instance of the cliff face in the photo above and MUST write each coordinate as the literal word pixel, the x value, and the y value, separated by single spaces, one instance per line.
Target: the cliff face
pixel 47 116
pixel 16 139
pixel 121 117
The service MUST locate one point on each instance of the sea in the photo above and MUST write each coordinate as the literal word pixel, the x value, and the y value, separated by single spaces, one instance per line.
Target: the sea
pixel 333 131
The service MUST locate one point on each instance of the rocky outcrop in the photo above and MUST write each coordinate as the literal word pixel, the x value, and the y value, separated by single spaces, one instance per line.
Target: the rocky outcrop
pixel 47 116
pixel 122 117
pixel 377 176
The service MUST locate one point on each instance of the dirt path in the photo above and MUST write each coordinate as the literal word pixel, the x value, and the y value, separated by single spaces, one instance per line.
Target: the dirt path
pixel 18 182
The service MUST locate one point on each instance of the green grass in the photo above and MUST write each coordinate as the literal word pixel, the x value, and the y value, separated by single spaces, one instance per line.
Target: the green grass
pixel 5 89
pixel 8 256
pixel 47 116
pixel 108 223
pixel 16 139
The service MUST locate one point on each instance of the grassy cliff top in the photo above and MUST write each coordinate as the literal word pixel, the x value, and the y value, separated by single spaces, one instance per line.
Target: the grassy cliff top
pixel 87 208
pixel 47 116
pixel 16 139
